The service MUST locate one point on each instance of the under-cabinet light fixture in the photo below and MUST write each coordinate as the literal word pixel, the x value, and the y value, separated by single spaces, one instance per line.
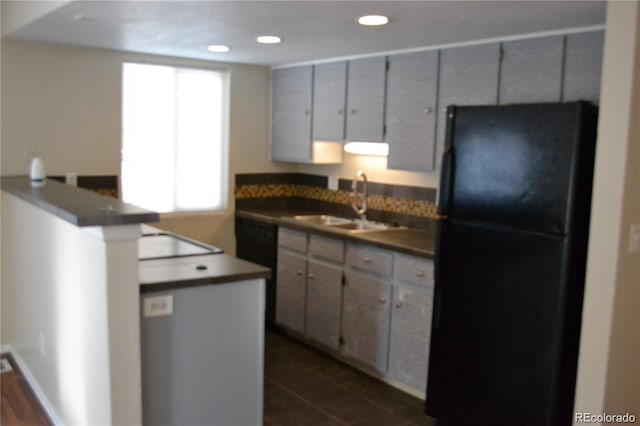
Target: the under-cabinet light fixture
pixel 367 148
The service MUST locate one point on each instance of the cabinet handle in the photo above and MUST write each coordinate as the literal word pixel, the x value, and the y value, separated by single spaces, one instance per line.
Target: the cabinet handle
pixel 307 112
pixel 339 111
pixel 367 260
pixel 427 110
pixel 299 273
pixel 353 110
pixel 444 109
pixel 382 300
pixel 310 276
pixel 420 274
pixel 398 304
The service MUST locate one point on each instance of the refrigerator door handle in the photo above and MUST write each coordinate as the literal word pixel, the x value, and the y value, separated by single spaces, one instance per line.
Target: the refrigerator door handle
pixel 446 174
pixel 445 182
pixel 438 269
pixel 437 308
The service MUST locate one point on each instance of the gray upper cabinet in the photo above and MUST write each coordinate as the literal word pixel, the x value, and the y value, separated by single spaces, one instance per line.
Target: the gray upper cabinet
pixel 412 88
pixel 329 99
pixel 291 114
pixel 468 76
pixel 583 65
pixel 531 70
pixel 365 99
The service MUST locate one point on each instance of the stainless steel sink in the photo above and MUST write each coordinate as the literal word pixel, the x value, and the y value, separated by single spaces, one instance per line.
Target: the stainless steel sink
pixel 344 224
pixel 360 225
pixel 323 219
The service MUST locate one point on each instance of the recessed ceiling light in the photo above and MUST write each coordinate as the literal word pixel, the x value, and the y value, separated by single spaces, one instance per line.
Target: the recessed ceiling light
pixel 268 39
pixel 218 48
pixel 373 20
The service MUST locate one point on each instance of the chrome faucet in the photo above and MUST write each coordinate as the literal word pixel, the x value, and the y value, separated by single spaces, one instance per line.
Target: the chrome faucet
pixel 362 210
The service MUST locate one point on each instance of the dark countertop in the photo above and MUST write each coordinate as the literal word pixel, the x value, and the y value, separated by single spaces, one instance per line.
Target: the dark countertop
pixel 405 240
pixel 182 272
pixel 77 206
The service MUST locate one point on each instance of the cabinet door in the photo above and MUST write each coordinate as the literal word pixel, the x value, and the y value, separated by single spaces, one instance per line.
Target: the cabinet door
pixel 410 335
pixel 329 97
pixel 531 70
pixel 583 65
pixel 291 114
pixel 365 320
pixel 365 99
pixel 324 301
pixel 291 292
pixel 468 76
pixel 412 83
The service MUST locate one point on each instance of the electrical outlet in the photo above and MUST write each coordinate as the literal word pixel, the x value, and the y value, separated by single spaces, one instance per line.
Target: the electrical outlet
pixel 71 178
pixel 157 306
pixel 333 182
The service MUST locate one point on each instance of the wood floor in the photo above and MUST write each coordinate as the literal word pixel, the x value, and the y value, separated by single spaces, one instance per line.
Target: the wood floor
pixel 19 405
pixel 302 387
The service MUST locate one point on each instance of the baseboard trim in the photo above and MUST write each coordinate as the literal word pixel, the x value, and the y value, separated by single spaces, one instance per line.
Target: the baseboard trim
pixel 35 386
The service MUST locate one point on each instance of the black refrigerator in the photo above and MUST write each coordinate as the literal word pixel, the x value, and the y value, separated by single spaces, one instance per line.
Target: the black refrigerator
pixel 515 194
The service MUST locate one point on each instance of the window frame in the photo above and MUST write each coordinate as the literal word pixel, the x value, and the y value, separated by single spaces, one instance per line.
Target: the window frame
pixel 225 75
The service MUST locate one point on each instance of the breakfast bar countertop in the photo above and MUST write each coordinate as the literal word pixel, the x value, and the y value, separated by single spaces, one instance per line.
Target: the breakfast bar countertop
pixel 77 206
pixel 410 241
pixel 194 271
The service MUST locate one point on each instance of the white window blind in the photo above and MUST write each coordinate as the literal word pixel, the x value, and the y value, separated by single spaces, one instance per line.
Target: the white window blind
pixel 174 145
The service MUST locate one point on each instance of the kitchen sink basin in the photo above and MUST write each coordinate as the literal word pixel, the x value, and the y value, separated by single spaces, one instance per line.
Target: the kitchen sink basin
pixel 343 223
pixel 361 225
pixel 323 219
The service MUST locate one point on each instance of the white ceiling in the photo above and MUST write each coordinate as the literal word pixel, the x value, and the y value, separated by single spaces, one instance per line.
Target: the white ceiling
pixel 311 30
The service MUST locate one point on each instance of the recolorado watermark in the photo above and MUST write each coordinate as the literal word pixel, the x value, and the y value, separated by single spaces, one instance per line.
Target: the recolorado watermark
pixel 604 418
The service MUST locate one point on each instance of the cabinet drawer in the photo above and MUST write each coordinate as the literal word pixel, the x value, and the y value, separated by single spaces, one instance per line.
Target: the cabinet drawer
pixel 370 259
pixel 326 248
pixel 414 270
pixel 293 240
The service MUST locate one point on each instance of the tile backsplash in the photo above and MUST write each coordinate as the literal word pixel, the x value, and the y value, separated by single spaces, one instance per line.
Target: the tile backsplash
pixel 405 205
pixel 102 184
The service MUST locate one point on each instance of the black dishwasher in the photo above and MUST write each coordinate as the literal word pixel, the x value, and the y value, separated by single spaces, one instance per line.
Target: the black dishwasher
pixel 257 242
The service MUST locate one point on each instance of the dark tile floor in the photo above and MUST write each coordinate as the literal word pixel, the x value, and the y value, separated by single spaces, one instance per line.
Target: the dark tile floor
pixel 306 387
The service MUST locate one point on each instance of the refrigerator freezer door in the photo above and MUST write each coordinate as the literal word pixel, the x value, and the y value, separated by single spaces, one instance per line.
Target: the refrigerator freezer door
pixel 519 166
pixel 498 347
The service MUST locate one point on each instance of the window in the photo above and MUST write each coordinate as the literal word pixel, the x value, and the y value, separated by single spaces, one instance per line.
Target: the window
pixel 174 142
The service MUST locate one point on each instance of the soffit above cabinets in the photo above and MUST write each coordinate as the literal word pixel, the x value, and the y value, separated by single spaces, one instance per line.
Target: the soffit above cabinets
pixel 310 30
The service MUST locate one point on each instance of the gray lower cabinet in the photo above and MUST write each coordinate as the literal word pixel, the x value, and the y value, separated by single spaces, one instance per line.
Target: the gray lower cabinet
pixel 291 114
pixel 365 99
pixel 329 101
pixel 291 291
pixel 365 320
pixel 531 70
pixel 410 334
pixel 583 66
pixel 365 304
pixel 412 91
pixel 411 320
pixel 324 303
